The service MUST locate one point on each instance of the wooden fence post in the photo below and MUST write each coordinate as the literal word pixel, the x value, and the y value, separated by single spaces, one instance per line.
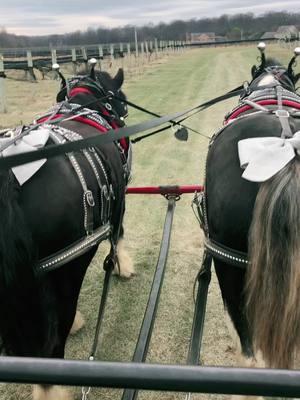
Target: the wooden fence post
pixel 111 55
pixel 53 56
pixel 121 49
pixel 3 108
pixel 85 59
pixel 100 49
pixel 74 61
pixel 128 50
pixel 30 65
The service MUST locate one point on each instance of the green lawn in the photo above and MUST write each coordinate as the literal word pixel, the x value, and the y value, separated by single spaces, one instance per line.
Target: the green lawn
pixel 171 85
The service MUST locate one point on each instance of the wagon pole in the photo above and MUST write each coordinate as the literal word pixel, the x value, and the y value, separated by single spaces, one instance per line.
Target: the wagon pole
pixel 203 278
pixel 143 342
pixel 172 194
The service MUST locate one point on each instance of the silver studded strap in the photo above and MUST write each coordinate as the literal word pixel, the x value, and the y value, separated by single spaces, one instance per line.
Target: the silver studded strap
pixel 103 188
pixel 223 253
pixel 74 250
pixel 60 135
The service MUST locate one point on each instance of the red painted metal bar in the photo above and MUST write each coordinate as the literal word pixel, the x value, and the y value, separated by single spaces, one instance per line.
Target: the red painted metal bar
pixel 164 190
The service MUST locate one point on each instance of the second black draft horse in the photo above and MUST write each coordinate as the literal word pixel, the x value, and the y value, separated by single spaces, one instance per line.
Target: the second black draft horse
pixel 253 222
pixel 59 211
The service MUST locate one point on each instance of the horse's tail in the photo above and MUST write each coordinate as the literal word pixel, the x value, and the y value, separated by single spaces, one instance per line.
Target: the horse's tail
pixel 273 277
pixel 22 318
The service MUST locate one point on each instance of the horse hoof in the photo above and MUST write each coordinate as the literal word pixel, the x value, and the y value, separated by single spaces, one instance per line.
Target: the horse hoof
pixel 124 272
pixel 51 393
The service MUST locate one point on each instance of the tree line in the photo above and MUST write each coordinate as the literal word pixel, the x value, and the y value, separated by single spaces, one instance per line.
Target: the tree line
pixel 244 26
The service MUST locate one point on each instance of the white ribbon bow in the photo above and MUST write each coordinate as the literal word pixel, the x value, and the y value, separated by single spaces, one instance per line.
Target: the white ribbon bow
pixel 263 157
pixel 34 140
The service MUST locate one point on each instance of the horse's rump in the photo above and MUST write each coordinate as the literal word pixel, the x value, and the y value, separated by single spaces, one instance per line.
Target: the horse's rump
pixel 231 202
pixel 227 193
pixel 52 200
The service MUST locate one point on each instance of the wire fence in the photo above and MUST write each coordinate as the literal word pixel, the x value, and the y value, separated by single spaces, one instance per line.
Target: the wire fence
pixel 36 63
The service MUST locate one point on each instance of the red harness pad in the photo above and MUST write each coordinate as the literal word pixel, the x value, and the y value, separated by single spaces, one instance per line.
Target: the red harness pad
pixel 84 120
pixel 236 113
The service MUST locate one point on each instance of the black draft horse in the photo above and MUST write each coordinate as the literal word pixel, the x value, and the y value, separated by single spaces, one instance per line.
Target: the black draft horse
pixel 65 201
pixel 259 218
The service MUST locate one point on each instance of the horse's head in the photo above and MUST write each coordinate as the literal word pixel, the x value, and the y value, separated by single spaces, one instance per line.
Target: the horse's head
pixel 96 90
pixel 272 73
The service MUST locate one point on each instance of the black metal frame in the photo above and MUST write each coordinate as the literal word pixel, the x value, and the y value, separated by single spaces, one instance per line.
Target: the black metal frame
pixel 178 378
pixel 140 375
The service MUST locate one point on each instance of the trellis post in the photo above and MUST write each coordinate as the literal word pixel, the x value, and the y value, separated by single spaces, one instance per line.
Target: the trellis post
pixel 147 50
pixel 112 54
pixel 3 108
pixel 100 49
pixel 142 52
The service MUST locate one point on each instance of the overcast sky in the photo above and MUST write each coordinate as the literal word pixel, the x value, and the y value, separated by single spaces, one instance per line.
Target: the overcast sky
pixel 38 17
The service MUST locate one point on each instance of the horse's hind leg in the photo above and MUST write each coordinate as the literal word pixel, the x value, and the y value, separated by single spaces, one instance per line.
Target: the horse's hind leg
pixel 65 283
pixel 231 280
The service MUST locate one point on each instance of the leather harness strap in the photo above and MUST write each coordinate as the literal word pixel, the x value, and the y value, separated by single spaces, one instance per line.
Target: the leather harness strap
pixel 60 135
pixel 227 254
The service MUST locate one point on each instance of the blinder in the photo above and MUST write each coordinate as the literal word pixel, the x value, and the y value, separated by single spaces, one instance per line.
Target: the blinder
pixel 111 103
pixel 280 75
pixel 83 81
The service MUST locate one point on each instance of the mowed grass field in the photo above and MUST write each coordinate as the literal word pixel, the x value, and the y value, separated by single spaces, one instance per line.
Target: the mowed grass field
pixel 171 84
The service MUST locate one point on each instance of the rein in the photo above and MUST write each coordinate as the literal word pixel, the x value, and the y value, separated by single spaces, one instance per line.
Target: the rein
pixel 232 93
pixel 109 137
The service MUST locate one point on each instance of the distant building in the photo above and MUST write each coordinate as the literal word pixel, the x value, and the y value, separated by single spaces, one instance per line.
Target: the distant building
pixel 201 37
pixel 221 38
pixel 287 32
pixel 269 35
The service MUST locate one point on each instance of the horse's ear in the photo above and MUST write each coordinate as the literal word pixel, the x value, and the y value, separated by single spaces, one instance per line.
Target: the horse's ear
pixel 253 71
pixel 296 78
pixel 119 78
